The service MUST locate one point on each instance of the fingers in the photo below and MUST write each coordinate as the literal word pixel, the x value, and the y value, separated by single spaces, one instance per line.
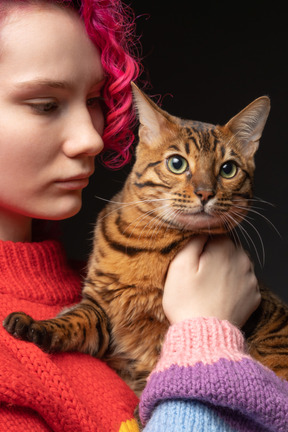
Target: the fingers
pixel 211 277
pixel 189 256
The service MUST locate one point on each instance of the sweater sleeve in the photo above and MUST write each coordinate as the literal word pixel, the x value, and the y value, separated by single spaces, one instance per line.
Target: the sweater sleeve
pixel 205 381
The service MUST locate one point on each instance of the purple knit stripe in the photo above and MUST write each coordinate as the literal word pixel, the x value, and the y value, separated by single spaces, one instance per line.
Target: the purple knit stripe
pixel 244 386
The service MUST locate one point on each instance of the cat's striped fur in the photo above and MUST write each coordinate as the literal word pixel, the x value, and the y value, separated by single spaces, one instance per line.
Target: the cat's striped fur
pixel 188 178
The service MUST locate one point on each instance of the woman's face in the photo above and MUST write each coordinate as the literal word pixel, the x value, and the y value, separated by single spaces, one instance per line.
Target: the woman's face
pixel 50 116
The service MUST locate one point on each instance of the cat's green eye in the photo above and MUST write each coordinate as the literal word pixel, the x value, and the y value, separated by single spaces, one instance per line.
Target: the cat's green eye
pixel 228 170
pixel 177 164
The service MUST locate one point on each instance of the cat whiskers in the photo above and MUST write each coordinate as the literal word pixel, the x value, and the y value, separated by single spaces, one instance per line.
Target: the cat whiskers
pixel 126 204
pixel 246 234
pixel 255 199
pixel 254 209
pixel 143 217
pixel 160 222
pixel 165 216
pixel 229 225
pixel 231 222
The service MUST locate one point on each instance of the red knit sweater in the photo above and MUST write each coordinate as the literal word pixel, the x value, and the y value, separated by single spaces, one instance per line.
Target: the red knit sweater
pixel 61 392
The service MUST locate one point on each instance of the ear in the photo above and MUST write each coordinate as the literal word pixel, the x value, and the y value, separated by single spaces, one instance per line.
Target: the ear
pixel 248 125
pixel 151 117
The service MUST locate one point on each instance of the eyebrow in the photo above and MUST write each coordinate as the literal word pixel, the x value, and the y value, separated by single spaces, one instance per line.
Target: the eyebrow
pixel 43 83
pixel 40 82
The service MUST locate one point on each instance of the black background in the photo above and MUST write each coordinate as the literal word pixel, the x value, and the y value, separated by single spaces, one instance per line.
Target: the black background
pixel 207 62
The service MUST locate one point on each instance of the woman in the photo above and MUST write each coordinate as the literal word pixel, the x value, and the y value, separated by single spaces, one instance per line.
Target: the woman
pixel 54 70
pixel 53 78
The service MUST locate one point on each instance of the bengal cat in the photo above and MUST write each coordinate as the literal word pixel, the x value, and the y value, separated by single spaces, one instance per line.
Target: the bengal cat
pixel 189 178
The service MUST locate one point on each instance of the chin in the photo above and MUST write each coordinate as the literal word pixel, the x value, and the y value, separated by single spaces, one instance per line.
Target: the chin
pixel 64 210
pixel 70 213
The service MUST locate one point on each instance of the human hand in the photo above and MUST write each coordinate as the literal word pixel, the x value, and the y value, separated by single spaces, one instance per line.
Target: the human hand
pixel 211 278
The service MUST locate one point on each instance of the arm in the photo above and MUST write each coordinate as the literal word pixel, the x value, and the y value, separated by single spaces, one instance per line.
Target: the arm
pixel 204 379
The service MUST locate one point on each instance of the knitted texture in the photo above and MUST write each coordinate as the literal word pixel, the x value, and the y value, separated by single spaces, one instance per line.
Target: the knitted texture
pixel 60 392
pixel 203 360
pixel 186 416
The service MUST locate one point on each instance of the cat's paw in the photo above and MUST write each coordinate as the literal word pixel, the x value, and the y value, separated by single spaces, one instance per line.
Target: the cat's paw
pixel 22 326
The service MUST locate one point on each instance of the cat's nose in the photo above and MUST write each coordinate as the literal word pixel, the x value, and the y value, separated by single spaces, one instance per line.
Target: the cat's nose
pixel 205 195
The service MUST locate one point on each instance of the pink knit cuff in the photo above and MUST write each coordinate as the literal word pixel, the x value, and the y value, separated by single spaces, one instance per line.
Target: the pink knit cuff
pixel 204 340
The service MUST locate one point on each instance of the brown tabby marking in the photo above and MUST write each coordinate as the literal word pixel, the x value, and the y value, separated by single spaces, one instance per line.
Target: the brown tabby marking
pixel 188 178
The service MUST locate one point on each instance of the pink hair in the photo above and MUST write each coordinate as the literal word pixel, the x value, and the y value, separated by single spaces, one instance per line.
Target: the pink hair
pixel 111 26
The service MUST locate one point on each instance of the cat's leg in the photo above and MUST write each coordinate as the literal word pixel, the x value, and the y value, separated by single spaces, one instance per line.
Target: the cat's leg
pixel 267 334
pixel 82 328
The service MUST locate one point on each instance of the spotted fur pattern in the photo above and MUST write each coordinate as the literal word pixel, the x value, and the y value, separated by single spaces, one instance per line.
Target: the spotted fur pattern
pixel 189 178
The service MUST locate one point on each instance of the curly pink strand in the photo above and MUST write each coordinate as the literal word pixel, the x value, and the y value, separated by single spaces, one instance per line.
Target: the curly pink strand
pixel 110 26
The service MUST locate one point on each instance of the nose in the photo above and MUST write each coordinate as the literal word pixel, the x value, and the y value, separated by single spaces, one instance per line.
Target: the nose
pixel 83 134
pixel 205 195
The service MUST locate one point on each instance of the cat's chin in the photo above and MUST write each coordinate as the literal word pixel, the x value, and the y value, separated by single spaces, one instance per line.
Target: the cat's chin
pixel 201 223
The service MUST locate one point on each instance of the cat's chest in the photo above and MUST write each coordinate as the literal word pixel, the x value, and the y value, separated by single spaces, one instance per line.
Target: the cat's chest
pixel 136 304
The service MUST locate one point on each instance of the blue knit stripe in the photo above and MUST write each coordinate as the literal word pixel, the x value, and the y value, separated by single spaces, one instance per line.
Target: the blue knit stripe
pixel 186 416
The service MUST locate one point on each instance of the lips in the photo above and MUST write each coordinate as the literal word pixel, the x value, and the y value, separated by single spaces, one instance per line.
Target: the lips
pixel 77 177
pixel 79 181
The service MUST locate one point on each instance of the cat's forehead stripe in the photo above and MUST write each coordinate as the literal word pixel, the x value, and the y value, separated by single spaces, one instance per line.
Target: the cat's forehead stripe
pixel 193 139
pixel 187 148
pixel 203 137
pixel 174 147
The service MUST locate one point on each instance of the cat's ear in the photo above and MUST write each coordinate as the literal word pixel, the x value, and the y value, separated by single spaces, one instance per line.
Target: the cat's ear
pixel 152 119
pixel 248 125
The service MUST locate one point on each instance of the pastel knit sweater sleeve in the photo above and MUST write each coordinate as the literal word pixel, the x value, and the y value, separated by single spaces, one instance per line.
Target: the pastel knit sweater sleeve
pixel 205 381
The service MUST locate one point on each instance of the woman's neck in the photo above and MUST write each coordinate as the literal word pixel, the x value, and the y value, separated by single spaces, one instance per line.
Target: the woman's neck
pixel 14 227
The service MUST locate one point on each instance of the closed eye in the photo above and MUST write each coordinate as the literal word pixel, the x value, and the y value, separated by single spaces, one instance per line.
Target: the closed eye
pixel 44 108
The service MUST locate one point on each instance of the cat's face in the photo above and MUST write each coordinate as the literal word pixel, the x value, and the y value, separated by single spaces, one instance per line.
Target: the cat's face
pixel 197 176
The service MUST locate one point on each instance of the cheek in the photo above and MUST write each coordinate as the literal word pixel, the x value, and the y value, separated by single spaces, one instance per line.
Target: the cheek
pixel 230 187
pixel 25 166
pixel 14 160
pixel 23 161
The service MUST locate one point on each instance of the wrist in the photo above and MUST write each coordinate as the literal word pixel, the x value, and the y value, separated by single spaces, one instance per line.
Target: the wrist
pixel 203 340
